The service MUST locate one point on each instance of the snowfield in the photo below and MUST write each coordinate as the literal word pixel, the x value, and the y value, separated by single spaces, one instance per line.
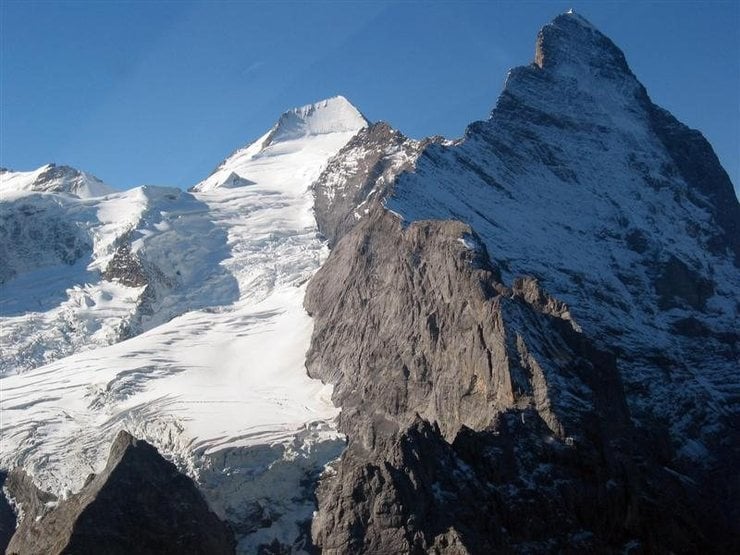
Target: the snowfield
pixel 211 370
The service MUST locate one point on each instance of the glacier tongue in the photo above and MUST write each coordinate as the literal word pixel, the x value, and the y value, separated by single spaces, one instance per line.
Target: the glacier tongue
pixel 221 389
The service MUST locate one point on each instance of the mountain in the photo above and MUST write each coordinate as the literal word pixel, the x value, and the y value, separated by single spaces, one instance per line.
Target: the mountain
pixel 520 341
pixel 546 309
pixel 53 179
pixel 315 130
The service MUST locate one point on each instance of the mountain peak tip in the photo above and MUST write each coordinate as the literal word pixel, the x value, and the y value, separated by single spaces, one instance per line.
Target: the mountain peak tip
pixel 54 178
pixel 571 15
pixel 331 115
pixel 570 39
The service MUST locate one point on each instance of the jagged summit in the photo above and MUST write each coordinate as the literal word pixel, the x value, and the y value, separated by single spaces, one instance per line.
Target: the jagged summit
pixel 578 18
pixel 333 115
pixel 570 40
pixel 52 178
pixel 624 224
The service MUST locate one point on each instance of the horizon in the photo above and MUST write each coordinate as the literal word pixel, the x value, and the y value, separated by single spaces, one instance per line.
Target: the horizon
pixel 115 118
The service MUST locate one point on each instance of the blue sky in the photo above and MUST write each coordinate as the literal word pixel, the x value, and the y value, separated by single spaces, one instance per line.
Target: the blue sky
pixel 160 92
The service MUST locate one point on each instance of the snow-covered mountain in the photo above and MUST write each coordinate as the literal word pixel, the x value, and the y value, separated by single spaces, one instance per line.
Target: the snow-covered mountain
pixel 53 179
pixel 531 332
pixel 322 122
pixel 579 180
pixel 207 289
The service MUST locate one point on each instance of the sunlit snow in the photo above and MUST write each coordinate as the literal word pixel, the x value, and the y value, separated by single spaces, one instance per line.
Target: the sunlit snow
pixel 221 388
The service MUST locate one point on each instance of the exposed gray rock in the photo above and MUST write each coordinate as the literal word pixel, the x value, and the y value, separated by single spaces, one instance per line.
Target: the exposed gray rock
pixel 139 503
pixel 698 164
pixel 479 417
pixel 7 515
pixel 124 266
pixel 361 171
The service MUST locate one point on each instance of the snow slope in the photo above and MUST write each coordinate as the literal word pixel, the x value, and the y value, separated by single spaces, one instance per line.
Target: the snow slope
pixel 222 387
pixel 53 179
pixel 52 250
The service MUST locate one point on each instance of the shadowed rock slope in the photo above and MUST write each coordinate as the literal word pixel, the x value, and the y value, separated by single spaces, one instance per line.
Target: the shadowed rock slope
pixel 139 503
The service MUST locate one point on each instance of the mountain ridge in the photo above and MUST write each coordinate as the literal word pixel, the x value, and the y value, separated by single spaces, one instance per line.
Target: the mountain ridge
pixel 573 183
pixel 529 331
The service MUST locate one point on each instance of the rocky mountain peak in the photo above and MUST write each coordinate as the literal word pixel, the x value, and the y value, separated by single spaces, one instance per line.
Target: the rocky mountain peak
pixel 611 228
pixel 572 41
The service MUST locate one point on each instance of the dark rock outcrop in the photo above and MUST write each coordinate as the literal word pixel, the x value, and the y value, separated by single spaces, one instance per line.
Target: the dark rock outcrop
pixel 139 503
pixel 7 516
pixel 480 418
pixel 124 266
pixel 698 164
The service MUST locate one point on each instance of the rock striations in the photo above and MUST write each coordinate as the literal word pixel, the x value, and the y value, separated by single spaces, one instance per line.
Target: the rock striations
pixel 488 417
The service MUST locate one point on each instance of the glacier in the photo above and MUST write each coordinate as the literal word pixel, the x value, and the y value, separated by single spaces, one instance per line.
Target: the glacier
pixel 213 371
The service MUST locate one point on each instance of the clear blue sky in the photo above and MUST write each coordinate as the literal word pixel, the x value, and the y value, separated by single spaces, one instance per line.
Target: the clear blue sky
pixel 159 93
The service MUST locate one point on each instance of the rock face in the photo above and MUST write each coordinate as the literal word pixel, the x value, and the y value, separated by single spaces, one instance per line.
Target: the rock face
pixel 7 516
pixel 471 407
pixel 140 503
pixel 555 370
pixel 361 172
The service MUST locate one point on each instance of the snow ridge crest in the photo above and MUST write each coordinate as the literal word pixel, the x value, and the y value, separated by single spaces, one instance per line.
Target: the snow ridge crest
pixel 332 115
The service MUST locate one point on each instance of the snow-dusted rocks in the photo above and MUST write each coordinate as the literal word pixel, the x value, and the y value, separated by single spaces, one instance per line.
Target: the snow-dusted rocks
pixel 573 181
pixel 83 273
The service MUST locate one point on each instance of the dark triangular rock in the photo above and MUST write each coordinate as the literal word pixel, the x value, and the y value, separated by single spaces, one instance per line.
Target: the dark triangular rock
pixel 140 503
